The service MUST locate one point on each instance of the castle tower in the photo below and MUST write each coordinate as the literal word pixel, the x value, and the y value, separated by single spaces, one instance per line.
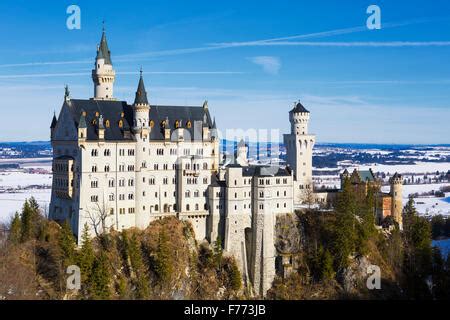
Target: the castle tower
pixel 396 193
pixel 141 131
pixel 263 251
pixel 299 145
pixel 103 74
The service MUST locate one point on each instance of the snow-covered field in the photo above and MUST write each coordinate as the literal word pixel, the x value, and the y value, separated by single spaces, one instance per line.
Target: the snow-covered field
pixel 33 179
pixel 12 202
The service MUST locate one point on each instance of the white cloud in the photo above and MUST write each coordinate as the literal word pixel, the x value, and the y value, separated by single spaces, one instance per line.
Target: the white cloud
pixel 270 65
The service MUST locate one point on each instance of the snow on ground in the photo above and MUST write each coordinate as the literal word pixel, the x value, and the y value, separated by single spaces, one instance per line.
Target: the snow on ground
pixel 12 202
pixel 419 167
pixel 426 205
pixel 15 179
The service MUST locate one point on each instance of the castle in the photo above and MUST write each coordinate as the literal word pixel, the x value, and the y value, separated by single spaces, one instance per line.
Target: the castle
pixel 117 166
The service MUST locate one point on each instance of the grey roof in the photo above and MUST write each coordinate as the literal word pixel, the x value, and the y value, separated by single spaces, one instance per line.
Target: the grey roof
pixel 112 111
pixel 299 108
pixel 365 175
pixel 105 53
pixel 265 171
pixel 141 94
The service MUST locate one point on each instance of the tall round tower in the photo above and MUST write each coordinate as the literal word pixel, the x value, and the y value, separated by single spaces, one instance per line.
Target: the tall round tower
pixel 103 74
pixel 299 146
pixel 396 193
pixel 141 130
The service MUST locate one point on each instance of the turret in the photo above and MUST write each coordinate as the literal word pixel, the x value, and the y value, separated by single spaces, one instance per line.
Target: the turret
pixel 396 193
pixel 205 124
pixel 299 118
pixel 103 74
pixel 141 109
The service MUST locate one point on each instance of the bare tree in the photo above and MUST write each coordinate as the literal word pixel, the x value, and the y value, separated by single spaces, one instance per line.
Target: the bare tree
pixel 98 217
pixel 309 197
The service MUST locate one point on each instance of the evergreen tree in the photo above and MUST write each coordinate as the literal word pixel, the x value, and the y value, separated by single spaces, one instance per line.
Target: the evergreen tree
pixel 15 230
pixel 327 271
pixel 141 280
pixel 67 244
pixel 235 277
pixel 99 288
pixel 218 252
pixel 86 255
pixel 164 266
pixel 27 222
pixel 344 231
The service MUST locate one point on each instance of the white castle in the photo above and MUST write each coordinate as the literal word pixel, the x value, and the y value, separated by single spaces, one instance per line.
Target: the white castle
pixel 119 166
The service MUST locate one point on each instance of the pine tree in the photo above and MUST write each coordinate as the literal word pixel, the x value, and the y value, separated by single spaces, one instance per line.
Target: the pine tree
pixel 26 222
pixel 164 266
pixel 67 244
pixel 218 252
pixel 99 288
pixel 344 233
pixel 137 264
pixel 235 277
pixel 15 230
pixel 86 255
pixel 327 271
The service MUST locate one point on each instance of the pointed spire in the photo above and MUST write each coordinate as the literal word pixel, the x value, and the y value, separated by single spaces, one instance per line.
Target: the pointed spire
pixel 54 121
pixel 141 94
pixel 205 104
pixel 103 48
pixel 214 126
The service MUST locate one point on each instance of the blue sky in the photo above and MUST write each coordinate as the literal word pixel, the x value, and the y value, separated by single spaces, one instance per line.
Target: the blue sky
pixel 250 59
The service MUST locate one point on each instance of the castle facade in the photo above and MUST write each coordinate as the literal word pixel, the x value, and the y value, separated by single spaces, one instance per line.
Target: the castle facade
pixel 118 165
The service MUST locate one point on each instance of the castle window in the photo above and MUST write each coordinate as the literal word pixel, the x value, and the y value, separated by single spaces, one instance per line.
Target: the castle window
pixel 122 182
pixel 156 208
pixel 94 153
pixel 120 123
pixel 188 124
pixel 107 123
pixel 130 182
pixel 94 168
pixel 177 124
pixel 196 193
pixel 111 197
pixel 152 123
pixel 187 207
pixel 130 196
pixel 107 152
pixel 96 114
pixel 111 183
pixel 94 184
pixel 94 198
pixel 107 168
